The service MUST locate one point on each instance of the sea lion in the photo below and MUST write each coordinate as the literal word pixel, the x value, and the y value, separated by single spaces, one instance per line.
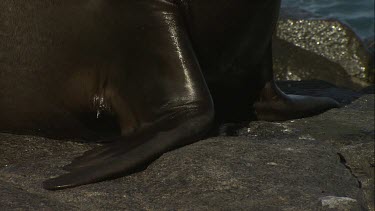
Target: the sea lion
pixel 155 68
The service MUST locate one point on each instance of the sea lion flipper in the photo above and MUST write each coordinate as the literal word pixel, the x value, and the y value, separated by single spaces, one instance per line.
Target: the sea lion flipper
pixel 274 105
pixel 123 161
pixel 96 155
pixel 83 169
pixel 159 97
pixel 85 159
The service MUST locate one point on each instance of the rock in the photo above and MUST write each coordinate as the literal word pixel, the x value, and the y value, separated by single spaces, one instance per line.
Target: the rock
pixel 369 90
pixel 223 173
pixel 327 38
pixel 14 198
pixel 359 159
pixel 294 63
pixel 350 130
pixel 339 203
pixel 370 45
pixel 318 163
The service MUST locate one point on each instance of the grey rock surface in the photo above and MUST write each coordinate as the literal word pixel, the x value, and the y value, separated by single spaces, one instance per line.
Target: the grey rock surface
pixel 324 162
pixel 350 130
pixel 328 38
pixel 338 203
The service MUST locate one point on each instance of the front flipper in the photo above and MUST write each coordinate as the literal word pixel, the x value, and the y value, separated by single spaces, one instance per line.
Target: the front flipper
pixel 97 155
pixel 118 159
pixel 155 88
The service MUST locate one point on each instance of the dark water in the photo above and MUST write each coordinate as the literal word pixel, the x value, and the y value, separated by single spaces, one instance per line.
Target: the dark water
pixel 358 14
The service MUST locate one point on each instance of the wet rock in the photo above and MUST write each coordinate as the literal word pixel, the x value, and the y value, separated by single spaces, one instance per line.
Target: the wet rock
pixel 294 63
pixel 327 38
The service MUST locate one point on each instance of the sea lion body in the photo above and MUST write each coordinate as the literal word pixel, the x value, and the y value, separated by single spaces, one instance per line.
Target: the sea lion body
pixel 150 67
pixel 58 58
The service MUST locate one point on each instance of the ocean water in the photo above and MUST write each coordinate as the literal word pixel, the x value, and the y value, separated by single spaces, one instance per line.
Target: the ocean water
pixel 358 14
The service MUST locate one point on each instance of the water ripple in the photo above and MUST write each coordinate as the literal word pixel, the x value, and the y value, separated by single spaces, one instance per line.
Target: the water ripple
pixel 359 14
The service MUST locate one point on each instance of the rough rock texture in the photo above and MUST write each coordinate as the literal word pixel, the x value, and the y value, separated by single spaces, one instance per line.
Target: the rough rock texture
pixel 327 43
pixel 294 63
pixel 324 162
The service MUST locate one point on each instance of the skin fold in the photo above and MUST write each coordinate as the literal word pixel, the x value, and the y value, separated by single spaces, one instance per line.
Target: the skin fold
pixel 158 71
